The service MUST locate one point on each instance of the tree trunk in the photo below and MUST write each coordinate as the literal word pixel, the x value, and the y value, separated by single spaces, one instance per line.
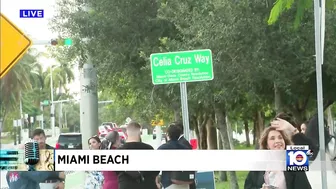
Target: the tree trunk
pixel 203 137
pixel 222 174
pixel 330 120
pixel 193 120
pixel 247 133
pixel 277 99
pixel 211 135
pixel 230 132
pixel 222 126
pixel 177 111
pixel 259 124
pixel 299 116
pixel 255 131
pixel 219 140
pixel 299 110
pixel 177 115
pixel 201 123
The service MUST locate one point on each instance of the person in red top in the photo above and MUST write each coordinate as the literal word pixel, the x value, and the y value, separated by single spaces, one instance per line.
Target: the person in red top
pixel 112 141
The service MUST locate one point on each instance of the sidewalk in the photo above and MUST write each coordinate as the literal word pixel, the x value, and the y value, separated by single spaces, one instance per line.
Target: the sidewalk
pixel 75 180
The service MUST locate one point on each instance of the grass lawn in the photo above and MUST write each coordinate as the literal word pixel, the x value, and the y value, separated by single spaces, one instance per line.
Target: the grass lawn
pixel 241 175
pixel 6 140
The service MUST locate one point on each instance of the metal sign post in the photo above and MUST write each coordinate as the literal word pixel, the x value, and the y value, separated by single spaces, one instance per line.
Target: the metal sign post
pixel 319 42
pixel 185 111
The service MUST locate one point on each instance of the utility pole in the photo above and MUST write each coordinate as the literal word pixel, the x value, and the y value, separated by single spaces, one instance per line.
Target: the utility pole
pixel 53 42
pixel 52 106
pixel 319 18
pixel 88 103
pixel 42 119
pixel 60 115
pixel 21 118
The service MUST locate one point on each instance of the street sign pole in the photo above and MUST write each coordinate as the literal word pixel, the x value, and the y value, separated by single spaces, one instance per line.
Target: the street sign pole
pixel 52 105
pixel 318 13
pixel 182 67
pixel 42 119
pixel 185 112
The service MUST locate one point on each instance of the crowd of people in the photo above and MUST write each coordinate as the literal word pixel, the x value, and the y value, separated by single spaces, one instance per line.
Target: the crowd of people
pixel 109 179
pixel 281 132
pixel 137 179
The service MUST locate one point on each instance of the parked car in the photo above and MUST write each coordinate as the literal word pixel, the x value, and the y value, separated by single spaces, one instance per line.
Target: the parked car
pixel 70 141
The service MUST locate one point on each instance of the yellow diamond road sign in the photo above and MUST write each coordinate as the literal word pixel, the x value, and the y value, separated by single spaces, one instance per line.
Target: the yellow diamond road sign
pixel 13 45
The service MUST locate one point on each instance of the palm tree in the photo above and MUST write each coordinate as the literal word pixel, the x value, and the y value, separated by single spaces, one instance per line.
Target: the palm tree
pixel 17 80
pixel 61 75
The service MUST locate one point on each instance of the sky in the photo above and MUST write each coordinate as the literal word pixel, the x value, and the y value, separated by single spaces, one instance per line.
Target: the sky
pixel 36 28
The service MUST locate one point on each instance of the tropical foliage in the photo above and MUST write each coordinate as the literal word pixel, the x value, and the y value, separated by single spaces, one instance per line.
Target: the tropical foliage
pixel 259 69
pixel 29 83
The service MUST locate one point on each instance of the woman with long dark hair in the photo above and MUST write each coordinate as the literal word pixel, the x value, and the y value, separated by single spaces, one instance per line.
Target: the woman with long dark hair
pixel 94 179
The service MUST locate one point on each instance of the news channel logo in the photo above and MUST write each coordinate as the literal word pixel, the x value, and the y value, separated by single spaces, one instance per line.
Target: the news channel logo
pixel 31 13
pixel 297 157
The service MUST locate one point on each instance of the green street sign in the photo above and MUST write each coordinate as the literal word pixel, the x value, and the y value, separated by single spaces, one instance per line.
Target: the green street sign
pixel 45 103
pixel 183 66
